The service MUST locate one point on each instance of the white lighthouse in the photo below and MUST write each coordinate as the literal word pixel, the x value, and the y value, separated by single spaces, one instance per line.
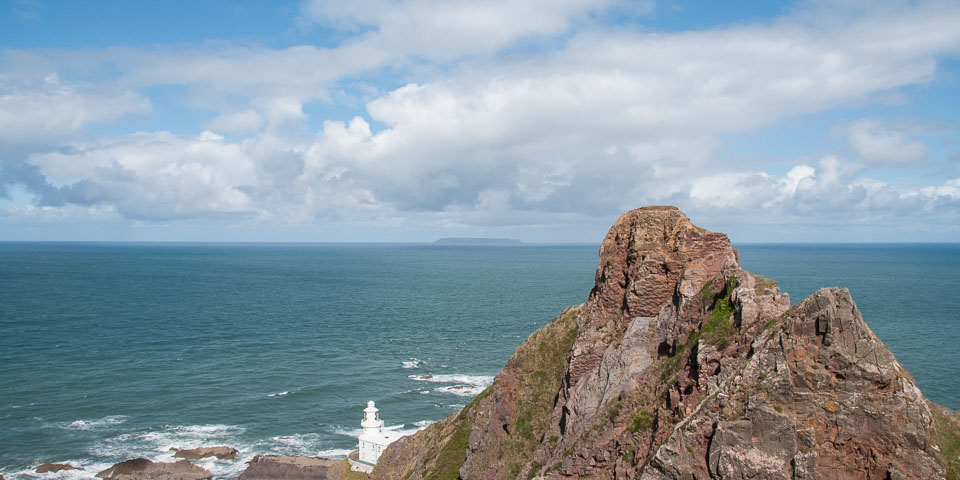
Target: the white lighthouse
pixel 373 440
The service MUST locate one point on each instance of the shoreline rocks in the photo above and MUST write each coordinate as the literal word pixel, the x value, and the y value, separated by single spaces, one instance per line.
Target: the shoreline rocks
pixel 274 467
pixel 141 468
pixel 222 453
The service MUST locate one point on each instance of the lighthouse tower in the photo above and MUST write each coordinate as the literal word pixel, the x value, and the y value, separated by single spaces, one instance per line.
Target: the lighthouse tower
pixel 372 425
pixel 373 440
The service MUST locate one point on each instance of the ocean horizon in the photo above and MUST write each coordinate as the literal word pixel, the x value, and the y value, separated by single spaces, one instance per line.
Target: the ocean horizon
pixel 114 350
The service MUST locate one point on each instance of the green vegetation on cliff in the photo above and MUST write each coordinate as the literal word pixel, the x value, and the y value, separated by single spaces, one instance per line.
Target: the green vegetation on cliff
pixel 439 452
pixel 946 437
pixel 538 365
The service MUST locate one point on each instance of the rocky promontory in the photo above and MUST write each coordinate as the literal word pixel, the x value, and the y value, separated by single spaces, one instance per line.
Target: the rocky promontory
pixel 141 469
pixel 222 453
pixel 276 467
pixel 55 467
pixel 682 365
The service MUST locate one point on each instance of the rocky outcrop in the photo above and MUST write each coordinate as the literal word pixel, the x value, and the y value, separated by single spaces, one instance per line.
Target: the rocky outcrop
pixel 142 469
pixel 55 467
pixel 273 467
pixel 223 453
pixel 682 365
pixel 819 396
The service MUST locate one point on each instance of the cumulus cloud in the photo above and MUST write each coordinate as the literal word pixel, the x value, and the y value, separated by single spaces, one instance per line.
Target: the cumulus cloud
pixel 600 122
pixel 153 176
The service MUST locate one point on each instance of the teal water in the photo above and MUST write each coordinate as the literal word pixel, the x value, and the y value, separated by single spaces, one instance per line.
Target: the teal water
pixel 108 352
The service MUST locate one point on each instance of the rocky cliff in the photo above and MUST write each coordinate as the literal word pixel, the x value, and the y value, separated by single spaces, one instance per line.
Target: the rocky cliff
pixel 681 365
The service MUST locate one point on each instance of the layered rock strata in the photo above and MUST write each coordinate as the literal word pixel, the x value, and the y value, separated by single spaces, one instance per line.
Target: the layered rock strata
pixel 682 365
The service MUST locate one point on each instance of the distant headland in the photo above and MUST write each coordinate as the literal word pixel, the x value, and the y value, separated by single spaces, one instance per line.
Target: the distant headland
pixel 477 241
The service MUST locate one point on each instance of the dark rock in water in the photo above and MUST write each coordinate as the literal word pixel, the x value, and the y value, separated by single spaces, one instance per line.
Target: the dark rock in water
pixel 223 453
pixel 141 469
pixel 55 467
pixel 272 467
pixel 682 365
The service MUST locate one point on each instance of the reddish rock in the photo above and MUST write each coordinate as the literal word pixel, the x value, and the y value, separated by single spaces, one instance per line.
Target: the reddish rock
pixel 223 453
pixel 275 467
pixel 142 469
pixel 55 467
pixel 683 365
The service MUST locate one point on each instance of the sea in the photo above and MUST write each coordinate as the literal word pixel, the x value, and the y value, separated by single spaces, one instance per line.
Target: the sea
pixel 114 351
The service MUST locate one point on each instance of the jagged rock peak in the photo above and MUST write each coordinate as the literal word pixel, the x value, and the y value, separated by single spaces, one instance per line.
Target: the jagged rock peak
pixel 682 365
pixel 647 252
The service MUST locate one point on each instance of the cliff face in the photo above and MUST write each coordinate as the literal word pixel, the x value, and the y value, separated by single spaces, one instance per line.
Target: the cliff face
pixel 682 365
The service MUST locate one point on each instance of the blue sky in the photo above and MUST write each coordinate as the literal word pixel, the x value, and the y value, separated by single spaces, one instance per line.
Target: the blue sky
pixel 408 120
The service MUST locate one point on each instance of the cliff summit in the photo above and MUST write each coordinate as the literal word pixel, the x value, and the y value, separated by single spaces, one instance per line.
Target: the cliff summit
pixel 682 365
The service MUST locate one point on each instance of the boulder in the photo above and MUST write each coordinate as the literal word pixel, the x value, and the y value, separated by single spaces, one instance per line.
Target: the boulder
pixel 143 469
pixel 275 467
pixel 55 467
pixel 223 453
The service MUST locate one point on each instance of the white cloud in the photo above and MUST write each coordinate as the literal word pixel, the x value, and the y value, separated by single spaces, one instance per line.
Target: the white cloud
pixel 35 110
pixel 878 145
pixel 156 176
pixel 236 122
pixel 600 122
pixel 449 29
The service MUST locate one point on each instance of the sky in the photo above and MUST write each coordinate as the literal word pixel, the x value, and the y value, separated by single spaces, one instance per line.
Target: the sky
pixel 410 120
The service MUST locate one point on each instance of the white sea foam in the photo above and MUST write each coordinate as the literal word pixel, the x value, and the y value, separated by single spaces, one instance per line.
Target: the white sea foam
pixel 279 394
pixel 296 444
pixel 93 424
pixel 157 444
pixel 403 429
pixel 89 470
pixel 461 390
pixel 424 392
pixel 348 432
pixel 481 381
pixel 412 363
pixel 335 452
pixel 130 445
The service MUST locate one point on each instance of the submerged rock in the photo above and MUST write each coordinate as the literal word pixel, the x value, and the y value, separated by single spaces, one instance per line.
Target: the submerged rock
pixel 141 468
pixel 271 467
pixel 223 453
pixel 682 365
pixel 55 467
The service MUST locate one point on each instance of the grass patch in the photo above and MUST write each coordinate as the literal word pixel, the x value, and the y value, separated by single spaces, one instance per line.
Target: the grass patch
pixel 538 364
pixel 345 473
pixel 715 330
pixel 765 285
pixel 946 436
pixel 534 468
pixel 453 454
pixel 642 420
pixel 614 411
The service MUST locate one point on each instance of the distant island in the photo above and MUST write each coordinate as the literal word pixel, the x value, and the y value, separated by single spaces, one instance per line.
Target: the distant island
pixel 477 241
